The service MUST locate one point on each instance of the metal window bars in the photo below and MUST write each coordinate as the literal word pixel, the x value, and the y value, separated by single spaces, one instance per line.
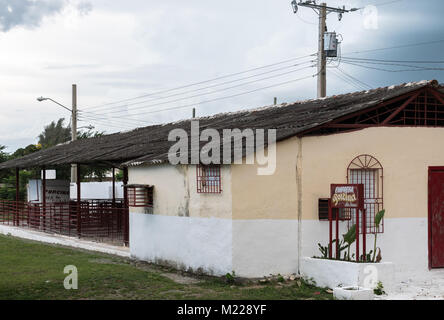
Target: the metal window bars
pixel 140 195
pixel 367 170
pixel 208 179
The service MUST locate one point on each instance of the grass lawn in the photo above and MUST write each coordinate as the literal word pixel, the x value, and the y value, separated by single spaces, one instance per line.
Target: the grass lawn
pixel 32 270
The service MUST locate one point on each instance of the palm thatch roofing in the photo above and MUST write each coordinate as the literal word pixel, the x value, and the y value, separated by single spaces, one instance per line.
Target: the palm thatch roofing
pixel 150 144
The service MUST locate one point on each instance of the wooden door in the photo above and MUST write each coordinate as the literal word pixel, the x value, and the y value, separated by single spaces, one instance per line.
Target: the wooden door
pixel 436 217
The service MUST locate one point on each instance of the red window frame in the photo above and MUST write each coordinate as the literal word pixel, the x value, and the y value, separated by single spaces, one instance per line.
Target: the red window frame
pixel 208 179
pixel 140 196
pixel 367 170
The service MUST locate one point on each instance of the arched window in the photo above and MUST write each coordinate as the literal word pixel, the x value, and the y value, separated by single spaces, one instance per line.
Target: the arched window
pixel 367 170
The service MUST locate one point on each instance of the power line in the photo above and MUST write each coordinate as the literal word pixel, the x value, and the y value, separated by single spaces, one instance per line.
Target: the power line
pixel 394 64
pixel 202 82
pixel 108 124
pixel 202 94
pixel 388 70
pixel 401 61
pixel 225 97
pixel 386 3
pixel 206 87
pixel 397 47
pixel 363 84
pixel 344 79
pixel 118 122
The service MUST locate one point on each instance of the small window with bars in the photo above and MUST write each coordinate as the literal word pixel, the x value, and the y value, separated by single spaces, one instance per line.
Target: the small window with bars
pixel 344 213
pixel 208 179
pixel 367 170
pixel 140 195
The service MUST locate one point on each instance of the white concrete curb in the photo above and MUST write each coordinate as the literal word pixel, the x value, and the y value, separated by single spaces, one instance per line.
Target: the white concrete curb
pixel 64 240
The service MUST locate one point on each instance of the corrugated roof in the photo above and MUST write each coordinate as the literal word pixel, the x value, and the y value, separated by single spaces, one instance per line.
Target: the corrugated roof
pixel 150 144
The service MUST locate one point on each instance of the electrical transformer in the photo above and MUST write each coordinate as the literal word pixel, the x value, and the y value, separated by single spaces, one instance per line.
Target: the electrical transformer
pixel 330 44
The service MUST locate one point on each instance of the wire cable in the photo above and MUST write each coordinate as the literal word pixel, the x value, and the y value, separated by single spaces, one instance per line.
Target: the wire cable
pixel 224 97
pixel 201 94
pixel 204 81
pixel 204 88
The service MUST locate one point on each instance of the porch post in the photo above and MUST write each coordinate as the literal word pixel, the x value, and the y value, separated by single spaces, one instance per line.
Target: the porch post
pixel 44 197
pixel 126 207
pixel 17 196
pixel 114 187
pixel 79 198
pixel 330 229
pixel 357 233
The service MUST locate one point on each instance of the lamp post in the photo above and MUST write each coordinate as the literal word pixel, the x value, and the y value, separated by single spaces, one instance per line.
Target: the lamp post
pixel 73 123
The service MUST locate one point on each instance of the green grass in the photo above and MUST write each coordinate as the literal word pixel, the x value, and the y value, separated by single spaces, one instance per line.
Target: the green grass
pixel 32 270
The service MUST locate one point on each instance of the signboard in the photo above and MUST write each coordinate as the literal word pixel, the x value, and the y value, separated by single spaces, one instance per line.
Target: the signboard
pixel 347 195
pixel 56 191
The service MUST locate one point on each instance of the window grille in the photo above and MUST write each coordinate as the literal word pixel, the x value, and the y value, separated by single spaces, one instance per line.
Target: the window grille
pixel 140 195
pixel 368 171
pixel 208 179
pixel 344 214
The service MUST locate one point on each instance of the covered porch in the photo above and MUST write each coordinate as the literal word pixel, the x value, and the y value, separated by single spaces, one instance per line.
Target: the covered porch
pixel 99 220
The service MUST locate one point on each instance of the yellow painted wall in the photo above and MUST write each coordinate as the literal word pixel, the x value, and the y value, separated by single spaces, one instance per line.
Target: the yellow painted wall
pixel 175 191
pixel 267 197
pixel 405 154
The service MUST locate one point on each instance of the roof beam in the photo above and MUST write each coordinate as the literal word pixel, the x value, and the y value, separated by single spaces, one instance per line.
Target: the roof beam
pixel 402 107
pixel 348 125
pixel 352 115
pixel 437 96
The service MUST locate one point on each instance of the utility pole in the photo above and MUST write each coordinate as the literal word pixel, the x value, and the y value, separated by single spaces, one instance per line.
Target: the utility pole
pixel 322 10
pixel 74 167
pixel 322 59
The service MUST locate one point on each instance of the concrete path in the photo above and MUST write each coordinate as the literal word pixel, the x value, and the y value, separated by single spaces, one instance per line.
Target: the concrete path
pixel 430 287
pixel 64 240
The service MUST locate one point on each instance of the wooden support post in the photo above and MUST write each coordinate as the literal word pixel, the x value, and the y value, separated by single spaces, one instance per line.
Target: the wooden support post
pixel 114 187
pixel 44 197
pixel 17 196
pixel 330 226
pixel 357 233
pixel 364 233
pixel 337 235
pixel 79 198
pixel 126 208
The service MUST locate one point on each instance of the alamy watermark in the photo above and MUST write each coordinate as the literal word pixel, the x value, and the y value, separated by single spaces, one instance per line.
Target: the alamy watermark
pixel 235 145
pixel 71 280
pixel 370 17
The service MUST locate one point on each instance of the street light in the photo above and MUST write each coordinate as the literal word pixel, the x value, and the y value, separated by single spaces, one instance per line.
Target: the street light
pixel 40 99
pixel 73 123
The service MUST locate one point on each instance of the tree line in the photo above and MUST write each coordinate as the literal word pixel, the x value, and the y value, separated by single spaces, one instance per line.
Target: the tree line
pixel 53 134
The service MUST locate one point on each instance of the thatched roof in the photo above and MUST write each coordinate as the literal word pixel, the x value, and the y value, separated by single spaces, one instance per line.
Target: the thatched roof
pixel 150 144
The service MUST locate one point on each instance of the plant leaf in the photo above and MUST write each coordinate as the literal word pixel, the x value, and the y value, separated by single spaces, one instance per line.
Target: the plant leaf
pixel 378 217
pixel 350 236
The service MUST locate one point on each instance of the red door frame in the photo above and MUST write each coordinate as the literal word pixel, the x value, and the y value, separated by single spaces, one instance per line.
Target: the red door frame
pixel 429 222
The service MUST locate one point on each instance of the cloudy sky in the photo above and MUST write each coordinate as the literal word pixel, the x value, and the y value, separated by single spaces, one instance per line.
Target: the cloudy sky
pixel 118 50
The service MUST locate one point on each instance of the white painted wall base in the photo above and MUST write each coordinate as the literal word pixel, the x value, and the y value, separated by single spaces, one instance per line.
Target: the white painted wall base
pixel 199 244
pixel 333 273
pixel 264 247
pixel 404 242
pixel 353 293
pixel 64 240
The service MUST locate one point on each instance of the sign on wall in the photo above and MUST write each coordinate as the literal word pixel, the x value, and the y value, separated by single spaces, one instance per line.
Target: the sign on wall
pixel 347 195
pixel 56 191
